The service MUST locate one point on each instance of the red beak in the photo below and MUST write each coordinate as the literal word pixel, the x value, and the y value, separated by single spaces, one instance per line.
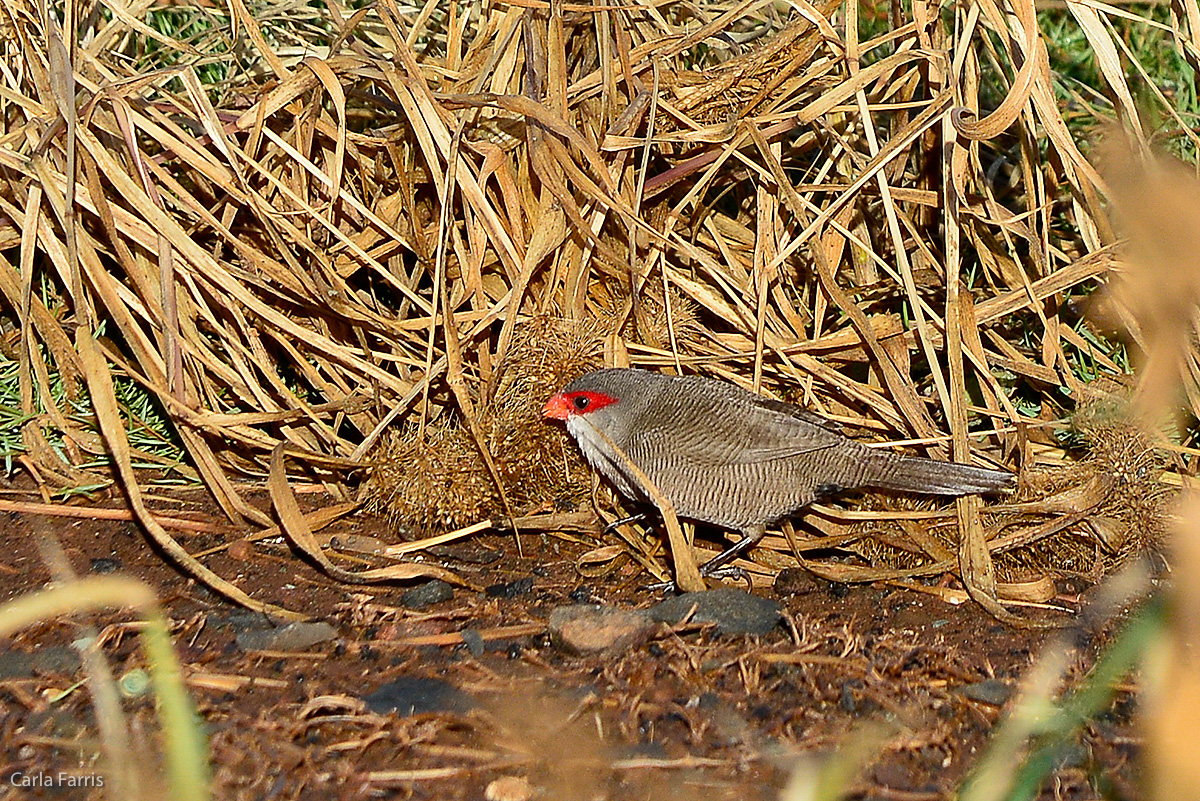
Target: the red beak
pixel 557 407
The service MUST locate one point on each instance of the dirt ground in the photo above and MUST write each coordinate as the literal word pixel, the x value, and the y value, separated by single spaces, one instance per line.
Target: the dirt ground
pixel 689 714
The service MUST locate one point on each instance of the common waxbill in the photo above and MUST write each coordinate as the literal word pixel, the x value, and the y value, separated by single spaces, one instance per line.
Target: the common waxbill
pixel 728 457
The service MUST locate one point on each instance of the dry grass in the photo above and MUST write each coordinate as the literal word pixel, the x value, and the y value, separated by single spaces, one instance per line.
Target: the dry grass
pixel 350 231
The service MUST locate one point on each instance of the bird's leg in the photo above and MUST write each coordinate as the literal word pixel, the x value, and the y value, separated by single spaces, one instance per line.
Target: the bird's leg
pixel 614 525
pixel 716 565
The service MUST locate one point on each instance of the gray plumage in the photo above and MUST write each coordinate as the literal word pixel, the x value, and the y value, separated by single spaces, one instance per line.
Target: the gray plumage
pixel 731 458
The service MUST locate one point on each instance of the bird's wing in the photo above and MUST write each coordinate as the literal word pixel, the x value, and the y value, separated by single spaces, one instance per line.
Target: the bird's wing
pixel 757 430
pixel 791 410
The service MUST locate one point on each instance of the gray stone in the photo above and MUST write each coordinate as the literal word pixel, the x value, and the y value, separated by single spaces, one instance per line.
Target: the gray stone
pixel 292 637
pixel 733 611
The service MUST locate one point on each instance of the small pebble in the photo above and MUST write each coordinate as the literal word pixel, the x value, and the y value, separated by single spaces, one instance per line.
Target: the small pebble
pixel 50 659
pixel 586 629
pixel 105 565
pixel 292 637
pixel 509 788
pixel 474 642
pixel 798 581
pixel 415 695
pixel 427 594
pixel 510 589
pixel 848 702
pixel 240 550
pixel 993 692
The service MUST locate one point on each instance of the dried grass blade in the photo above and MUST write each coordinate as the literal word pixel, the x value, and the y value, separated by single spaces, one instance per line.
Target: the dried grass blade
pixel 242 15
pixel 104 402
pixel 334 89
pixel 1109 62
pixel 295 527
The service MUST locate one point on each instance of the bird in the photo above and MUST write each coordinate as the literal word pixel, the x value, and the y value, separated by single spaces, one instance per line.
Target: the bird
pixel 730 458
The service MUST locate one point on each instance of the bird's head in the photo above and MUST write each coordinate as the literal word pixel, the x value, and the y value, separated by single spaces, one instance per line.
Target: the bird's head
pixel 612 402
pixel 602 411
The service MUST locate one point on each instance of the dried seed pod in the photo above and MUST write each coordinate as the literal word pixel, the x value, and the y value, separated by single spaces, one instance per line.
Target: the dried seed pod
pixel 442 482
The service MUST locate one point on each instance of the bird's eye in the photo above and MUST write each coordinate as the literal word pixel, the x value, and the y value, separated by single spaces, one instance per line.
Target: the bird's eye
pixel 581 402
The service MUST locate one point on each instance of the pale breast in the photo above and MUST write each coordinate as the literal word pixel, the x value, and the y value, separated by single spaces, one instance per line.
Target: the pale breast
pixel 595 451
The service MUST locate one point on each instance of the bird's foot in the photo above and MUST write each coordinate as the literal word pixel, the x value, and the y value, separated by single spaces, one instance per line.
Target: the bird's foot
pixel 725 573
pixel 719 566
pixel 711 569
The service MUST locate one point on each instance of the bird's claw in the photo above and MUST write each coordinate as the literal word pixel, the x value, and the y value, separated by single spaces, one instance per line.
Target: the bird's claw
pixel 661 586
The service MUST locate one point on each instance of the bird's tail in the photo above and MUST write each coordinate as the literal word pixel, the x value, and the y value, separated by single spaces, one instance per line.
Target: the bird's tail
pixel 914 474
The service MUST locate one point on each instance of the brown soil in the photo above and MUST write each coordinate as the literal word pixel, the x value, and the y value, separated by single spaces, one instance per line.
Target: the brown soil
pixel 690 714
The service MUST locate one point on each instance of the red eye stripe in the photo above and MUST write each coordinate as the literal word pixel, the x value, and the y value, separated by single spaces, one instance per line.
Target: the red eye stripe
pixel 566 404
pixel 587 401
